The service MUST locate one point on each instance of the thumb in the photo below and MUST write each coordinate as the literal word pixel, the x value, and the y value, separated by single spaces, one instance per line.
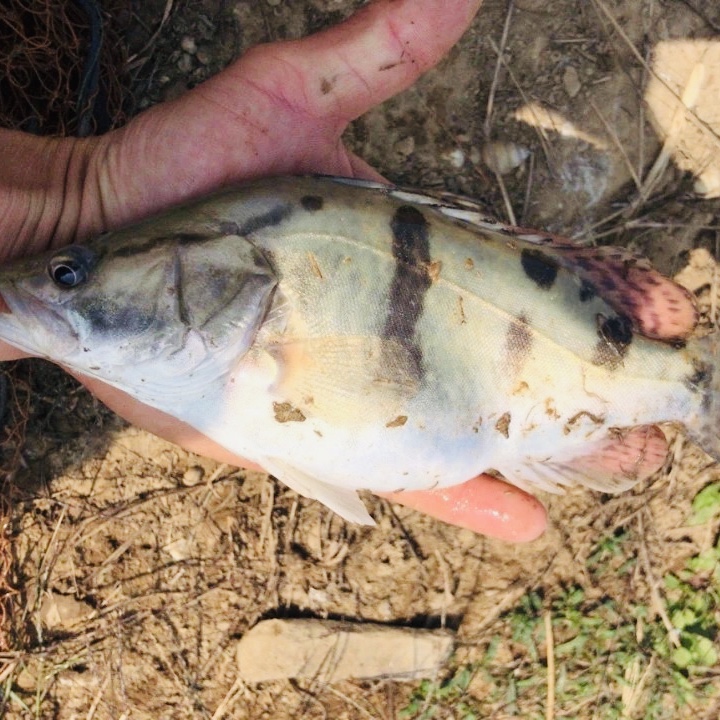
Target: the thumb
pixel 280 108
pixel 381 50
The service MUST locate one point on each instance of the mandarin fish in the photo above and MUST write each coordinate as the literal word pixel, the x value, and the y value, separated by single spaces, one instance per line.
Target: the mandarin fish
pixel 348 335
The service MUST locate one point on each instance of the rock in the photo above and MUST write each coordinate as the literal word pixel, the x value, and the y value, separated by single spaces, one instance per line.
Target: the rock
pixel 455 157
pixel 405 147
pixel 185 63
pixel 682 96
pixel 60 612
pixel 330 650
pixel 188 45
pixel 503 156
pixel 571 81
pixel 193 476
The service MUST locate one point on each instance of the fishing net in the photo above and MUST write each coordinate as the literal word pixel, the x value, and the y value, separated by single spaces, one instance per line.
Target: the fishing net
pixel 62 72
pixel 62 65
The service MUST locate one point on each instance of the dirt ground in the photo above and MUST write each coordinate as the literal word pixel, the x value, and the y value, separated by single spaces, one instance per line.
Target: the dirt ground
pixel 140 566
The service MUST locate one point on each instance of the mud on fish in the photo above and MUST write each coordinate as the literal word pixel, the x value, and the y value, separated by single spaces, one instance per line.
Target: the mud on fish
pixel 348 335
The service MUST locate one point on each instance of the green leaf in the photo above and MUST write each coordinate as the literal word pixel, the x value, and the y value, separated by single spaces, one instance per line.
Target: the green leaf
pixel 683 617
pixel 705 652
pixel 682 657
pixel 704 562
pixel 705 505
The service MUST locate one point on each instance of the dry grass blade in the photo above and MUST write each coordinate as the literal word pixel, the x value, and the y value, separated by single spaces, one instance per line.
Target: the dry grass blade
pixel 657 601
pixel 687 102
pixel 487 127
pixel 137 60
pixel 550 656
pixel 618 144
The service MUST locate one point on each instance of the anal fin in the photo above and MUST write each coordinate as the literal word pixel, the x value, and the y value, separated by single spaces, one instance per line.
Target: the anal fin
pixel 611 465
pixel 343 501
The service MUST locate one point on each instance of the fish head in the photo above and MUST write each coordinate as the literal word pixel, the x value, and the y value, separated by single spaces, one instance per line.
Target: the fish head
pixel 134 310
pixel 79 306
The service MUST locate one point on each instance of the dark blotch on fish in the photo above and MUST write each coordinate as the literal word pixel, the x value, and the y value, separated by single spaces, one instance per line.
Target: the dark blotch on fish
pixel 701 378
pixel 503 424
pixel 312 203
pixel 399 421
pixel 518 343
pixel 411 280
pixel 111 318
pixel 616 335
pixel 616 330
pixel 272 217
pixel 702 381
pixel 123 251
pixel 540 268
pixel 587 291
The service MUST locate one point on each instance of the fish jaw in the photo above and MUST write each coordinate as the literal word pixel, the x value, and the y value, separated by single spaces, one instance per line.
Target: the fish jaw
pixel 34 327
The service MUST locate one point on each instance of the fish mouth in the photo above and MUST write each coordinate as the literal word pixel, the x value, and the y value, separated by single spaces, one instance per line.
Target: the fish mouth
pixel 33 326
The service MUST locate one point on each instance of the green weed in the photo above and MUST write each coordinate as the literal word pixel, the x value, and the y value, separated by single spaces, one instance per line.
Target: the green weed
pixel 614 659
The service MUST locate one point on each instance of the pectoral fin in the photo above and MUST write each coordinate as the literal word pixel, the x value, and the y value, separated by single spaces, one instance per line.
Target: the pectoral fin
pixel 346 380
pixel 343 501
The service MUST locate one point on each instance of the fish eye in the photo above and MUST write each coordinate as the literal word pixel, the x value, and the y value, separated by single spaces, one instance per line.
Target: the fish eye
pixel 71 267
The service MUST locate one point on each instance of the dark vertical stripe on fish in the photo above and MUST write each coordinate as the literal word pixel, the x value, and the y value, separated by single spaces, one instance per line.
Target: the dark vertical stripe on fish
pixel 411 250
pixel 518 344
pixel 274 216
pixel 615 335
pixel 539 267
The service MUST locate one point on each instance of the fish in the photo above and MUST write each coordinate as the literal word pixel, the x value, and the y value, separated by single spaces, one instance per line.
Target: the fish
pixel 348 335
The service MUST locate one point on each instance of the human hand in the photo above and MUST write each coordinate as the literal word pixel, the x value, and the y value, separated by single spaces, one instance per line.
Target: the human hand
pixel 280 109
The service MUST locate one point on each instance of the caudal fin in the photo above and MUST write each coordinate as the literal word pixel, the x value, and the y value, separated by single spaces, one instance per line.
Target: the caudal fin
pixel 703 427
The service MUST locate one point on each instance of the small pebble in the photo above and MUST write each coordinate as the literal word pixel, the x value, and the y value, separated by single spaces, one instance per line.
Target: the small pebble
pixel 185 63
pixel 571 81
pixel 503 156
pixel 193 476
pixel 188 45
pixel 456 158
pixel 405 146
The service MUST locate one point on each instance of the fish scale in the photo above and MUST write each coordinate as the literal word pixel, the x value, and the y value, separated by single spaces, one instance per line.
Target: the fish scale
pixel 349 335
